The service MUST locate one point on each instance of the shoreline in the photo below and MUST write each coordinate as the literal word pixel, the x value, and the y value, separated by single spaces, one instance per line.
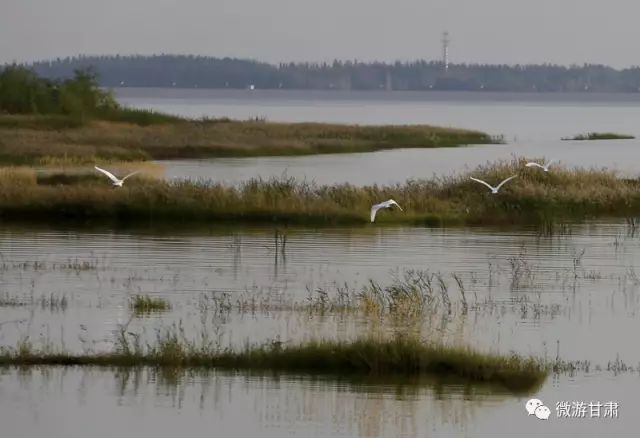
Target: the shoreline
pixel 140 135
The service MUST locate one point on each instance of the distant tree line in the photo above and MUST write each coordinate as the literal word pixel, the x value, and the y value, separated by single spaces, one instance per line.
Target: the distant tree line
pixel 208 72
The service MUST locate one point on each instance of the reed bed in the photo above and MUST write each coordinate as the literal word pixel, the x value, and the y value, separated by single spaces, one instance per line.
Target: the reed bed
pixel 28 139
pixel 533 197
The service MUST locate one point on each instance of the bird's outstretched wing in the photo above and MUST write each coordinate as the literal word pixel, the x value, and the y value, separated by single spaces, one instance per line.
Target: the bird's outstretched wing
pixel 109 174
pixel 549 163
pixel 374 210
pixel 392 202
pixel 534 165
pixel 482 182
pixel 131 174
pixel 505 181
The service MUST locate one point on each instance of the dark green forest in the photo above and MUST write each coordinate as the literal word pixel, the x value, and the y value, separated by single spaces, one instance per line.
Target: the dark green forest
pixel 66 102
pixel 207 72
pixel 22 91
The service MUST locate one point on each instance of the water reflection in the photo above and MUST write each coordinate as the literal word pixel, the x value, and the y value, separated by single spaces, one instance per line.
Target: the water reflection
pixel 273 403
pixel 58 402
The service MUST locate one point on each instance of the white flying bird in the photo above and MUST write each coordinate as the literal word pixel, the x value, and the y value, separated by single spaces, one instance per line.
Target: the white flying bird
pixel 386 204
pixel 116 182
pixel 543 167
pixel 495 189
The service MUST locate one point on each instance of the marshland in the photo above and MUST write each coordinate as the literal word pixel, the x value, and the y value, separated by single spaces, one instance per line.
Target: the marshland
pixel 244 294
pixel 33 139
pixel 75 120
pixel 532 198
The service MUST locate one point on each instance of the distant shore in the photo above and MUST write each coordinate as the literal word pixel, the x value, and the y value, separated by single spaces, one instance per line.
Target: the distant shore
pixel 600 136
pixel 167 70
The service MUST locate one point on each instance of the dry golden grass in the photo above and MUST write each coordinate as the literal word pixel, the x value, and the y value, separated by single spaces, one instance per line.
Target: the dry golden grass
pixel 18 177
pixel 23 141
pixel 532 197
pixel 53 165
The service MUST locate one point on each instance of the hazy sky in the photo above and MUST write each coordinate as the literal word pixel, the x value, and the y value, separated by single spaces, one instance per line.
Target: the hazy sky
pixel 491 31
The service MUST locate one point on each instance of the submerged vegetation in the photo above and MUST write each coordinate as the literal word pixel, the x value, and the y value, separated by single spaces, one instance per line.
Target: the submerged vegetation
pixel 51 302
pixel 411 299
pixel 145 304
pixel 601 136
pixel 533 197
pixel 400 355
pixel 406 321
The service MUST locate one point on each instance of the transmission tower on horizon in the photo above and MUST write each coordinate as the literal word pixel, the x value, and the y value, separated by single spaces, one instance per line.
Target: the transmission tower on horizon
pixel 445 50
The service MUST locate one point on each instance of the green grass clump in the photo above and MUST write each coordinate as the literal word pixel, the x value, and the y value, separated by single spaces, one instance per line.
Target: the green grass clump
pixel 400 355
pixel 140 117
pixel 601 136
pixel 146 304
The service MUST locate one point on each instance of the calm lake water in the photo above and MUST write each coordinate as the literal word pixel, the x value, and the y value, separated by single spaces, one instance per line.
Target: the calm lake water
pixel 584 310
pixel 574 295
pixel 532 124
pixel 69 403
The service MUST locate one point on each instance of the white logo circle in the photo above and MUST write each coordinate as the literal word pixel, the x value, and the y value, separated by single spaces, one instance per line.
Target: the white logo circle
pixel 542 412
pixel 532 405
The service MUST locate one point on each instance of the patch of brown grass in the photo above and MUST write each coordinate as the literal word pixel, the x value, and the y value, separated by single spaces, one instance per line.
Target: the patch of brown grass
pixel 533 196
pixel 23 142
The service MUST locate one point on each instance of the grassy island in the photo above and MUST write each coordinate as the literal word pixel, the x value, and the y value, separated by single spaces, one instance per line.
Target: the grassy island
pixel 32 140
pixel 43 120
pixel 600 136
pixel 399 356
pixel 532 197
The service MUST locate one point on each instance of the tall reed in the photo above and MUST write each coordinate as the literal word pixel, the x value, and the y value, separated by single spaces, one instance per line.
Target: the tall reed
pixel 534 197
